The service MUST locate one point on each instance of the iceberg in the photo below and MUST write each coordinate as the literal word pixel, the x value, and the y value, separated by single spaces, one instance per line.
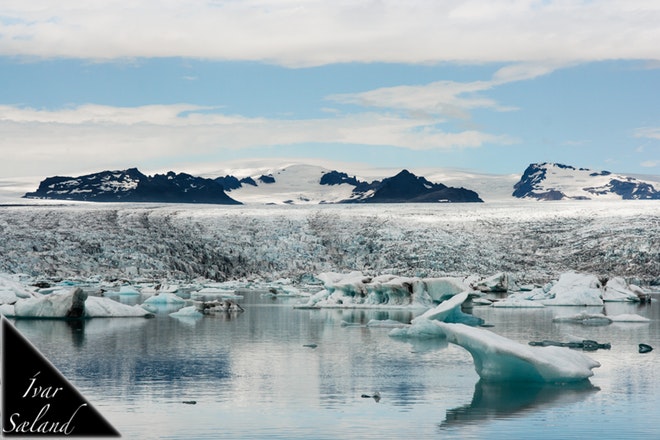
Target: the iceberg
pixel 574 289
pixel 498 359
pixel 357 290
pixel 165 299
pixel 595 319
pixel 187 312
pixel 450 311
pixel 72 304
pixel 11 289
pixel 617 289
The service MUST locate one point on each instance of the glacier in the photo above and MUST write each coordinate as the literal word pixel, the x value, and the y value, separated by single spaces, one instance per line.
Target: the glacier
pixel 529 241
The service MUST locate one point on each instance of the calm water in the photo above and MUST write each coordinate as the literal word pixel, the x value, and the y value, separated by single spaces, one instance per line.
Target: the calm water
pixel 252 376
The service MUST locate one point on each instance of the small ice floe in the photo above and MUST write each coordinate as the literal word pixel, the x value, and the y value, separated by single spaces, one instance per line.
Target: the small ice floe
pixel 375 396
pixel 517 303
pixel 165 299
pixel 584 318
pixel 385 323
pixel 128 291
pixel 629 317
pixel 187 312
pixel 218 306
pixel 596 319
pixel 645 348
pixel 214 294
pixel 585 344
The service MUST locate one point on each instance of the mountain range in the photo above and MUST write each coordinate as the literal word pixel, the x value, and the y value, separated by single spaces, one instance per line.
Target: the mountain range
pixel 309 184
pixel 553 181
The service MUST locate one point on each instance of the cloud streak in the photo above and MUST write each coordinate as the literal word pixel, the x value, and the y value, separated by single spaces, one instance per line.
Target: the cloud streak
pixel 98 135
pixel 317 32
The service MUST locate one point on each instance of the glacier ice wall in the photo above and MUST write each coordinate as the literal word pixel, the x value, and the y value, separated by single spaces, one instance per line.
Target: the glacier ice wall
pixel 528 241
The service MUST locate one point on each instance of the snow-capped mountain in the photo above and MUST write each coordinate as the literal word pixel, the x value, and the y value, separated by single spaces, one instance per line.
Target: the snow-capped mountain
pixel 295 184
pixel 132 186
pixel 552 181
pixel 308 184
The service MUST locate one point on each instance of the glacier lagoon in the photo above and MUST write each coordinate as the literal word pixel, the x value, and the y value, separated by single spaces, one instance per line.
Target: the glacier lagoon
pixel 274 371
pixel 279 372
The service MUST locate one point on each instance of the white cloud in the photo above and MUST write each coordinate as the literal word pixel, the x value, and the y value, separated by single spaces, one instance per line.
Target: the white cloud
pixel 650 163
pixel 648 133
pixel 447 98
pixel 95 135
pixel 315 32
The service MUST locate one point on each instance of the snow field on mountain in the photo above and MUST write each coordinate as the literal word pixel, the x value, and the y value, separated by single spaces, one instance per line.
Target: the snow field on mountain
pixel 531 241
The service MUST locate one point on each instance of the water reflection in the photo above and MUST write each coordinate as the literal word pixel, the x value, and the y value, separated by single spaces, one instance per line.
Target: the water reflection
pixel 504 400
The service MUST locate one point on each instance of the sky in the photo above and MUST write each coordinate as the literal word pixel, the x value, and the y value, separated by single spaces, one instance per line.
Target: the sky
pixel 192 85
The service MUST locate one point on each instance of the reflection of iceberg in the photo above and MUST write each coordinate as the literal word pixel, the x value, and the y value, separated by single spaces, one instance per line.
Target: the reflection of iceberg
pixel 502 400
pixel 497 358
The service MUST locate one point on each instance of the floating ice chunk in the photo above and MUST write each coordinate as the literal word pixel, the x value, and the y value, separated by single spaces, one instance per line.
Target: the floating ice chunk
pixel 585 318
pixel 128 291
pixel 164 298
pixel 497 283
pixel 450 311
pixel 96 307
pixel 7 310
pixel 356 290
pixel 11 289
pixel 422 329
pixel 385 323
pixel 440 289
pixel 617 289
pixel 513 302
pixel 498 359
pixel 573 289
pixel 187 312
pixel 59 305
pixel 629 317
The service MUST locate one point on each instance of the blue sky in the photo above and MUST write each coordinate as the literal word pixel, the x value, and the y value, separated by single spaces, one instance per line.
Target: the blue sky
pixel 489 86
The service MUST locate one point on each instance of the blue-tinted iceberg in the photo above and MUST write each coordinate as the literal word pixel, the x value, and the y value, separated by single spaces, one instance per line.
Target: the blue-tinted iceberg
pixel 358 290
pixel 498 359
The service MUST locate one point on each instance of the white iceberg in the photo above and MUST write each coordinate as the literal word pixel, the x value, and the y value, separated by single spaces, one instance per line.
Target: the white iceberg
pixel 497 283
pixel 59 305
pixel 440 289
pixel 585 318
pixel 498 359
pixel 187 312
pixel 574 289
pixel 618 289
pixel 448 311
pixel 517 303
pixel 629 317
pixel 357 290
pixel 11 289
pixel 164 299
